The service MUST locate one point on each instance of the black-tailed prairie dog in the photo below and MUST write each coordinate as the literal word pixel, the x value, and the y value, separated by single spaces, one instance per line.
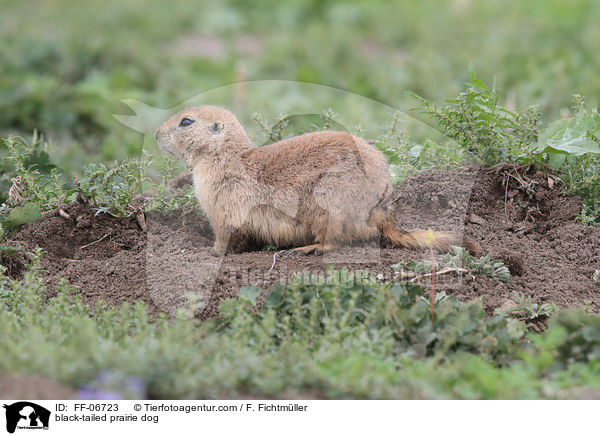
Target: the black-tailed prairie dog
pixel 317 191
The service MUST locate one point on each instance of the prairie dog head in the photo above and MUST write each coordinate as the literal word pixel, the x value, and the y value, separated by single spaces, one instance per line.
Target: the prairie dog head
pixel 198 131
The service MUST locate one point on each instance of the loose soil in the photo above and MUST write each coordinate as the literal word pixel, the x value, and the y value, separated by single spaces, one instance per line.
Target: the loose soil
pixel 33 387
pixel 517 214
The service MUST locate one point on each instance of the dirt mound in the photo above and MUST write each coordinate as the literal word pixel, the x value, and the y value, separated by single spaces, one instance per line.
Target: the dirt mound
pixel 101 255
pixel 531 218
pixel 515 213
pixel 113 260
pixel 520 215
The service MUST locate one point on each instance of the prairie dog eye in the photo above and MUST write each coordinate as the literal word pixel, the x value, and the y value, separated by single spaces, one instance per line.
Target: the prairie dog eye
pixel 186 122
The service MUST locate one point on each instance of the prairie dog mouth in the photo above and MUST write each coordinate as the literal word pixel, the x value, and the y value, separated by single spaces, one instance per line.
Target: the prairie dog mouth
pixel 164 142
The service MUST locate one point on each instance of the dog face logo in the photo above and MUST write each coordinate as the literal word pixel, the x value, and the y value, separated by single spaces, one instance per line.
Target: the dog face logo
pixel 26 415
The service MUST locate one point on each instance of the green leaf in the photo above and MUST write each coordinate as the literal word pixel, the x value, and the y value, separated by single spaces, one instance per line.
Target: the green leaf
pixel 398 290
pixel 275 297
pixel 227 307
pixel 39 160
pixel 415 151
pixel 8 250
pixel 21 215
pixel 571 136
pixel 249 293
pixel 556 160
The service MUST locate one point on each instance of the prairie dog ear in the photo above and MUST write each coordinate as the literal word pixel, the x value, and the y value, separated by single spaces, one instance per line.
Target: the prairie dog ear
pixel 216 127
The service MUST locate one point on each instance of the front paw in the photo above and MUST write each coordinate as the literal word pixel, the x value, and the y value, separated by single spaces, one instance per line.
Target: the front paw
pixel 212 251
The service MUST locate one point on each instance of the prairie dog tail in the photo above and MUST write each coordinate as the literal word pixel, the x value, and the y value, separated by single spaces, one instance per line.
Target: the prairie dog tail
pixel 442 241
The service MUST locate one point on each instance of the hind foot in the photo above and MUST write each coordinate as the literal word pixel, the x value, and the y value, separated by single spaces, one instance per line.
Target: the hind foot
pixel 308 249
pixel 315 249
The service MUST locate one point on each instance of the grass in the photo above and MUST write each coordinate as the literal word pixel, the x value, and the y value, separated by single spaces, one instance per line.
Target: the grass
pixel 67 76
pixel 345 336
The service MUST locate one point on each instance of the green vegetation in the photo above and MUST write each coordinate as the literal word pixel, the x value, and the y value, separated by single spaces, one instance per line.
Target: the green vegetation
pixel 460 262
pixel 337 336
pixel 528 310
pixel 112 190
pixel 67 77
pixel 491 134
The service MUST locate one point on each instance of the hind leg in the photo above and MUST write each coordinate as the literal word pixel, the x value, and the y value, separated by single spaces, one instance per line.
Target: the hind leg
pixel 314 248
pixel 308 249
pixel 325 231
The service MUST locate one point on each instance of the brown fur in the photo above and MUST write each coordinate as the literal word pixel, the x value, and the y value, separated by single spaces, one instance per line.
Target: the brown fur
pixel 318 190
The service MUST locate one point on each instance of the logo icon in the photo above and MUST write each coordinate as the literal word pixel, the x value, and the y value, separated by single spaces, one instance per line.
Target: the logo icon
pixel 26 415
